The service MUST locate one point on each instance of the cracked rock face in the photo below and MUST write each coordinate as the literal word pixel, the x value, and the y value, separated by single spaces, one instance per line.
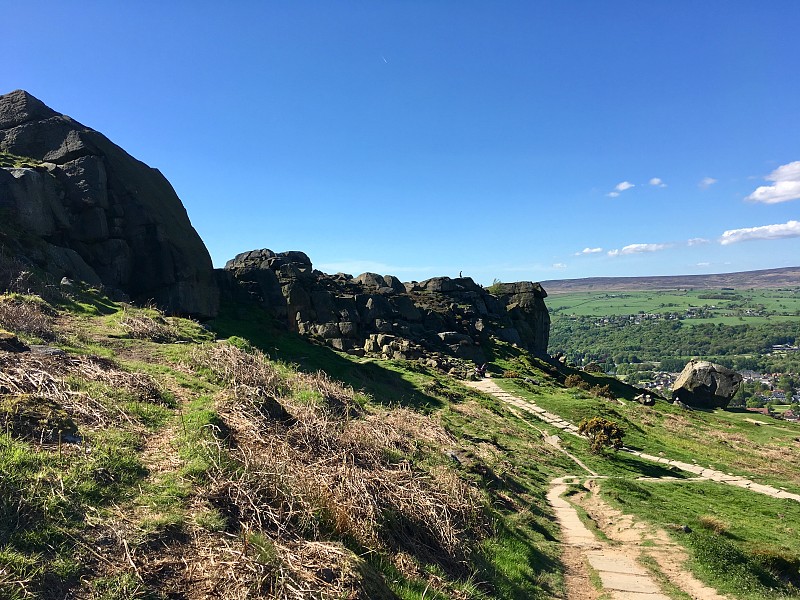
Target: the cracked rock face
pixel 374 314
pixel 705 384
pixel 104 217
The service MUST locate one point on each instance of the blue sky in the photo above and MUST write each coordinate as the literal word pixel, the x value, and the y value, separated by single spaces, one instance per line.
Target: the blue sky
pixel 506 140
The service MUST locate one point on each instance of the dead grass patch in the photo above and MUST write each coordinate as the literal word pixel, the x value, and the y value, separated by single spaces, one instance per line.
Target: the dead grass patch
pixel 147 327
pixel 311 472
pixel 35 387
pixel 713 524
pixel 27 314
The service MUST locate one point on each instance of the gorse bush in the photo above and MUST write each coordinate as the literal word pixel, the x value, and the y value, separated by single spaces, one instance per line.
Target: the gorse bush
pixel 577 381
pixel 602 434
pixel 602 391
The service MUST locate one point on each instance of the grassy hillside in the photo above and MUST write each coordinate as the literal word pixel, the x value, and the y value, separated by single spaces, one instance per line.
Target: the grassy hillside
pixel 150 460
pixel 147 456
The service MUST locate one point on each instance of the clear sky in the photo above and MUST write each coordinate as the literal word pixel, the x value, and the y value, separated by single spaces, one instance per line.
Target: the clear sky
pixel 509 140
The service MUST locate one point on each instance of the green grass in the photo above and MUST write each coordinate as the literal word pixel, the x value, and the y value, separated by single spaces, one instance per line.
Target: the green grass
pixel 738 446
pixel 758 549
pixel 500 454
pixel 45 498
pixel 598 303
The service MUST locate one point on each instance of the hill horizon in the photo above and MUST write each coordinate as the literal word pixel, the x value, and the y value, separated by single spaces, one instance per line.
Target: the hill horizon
pixel 761 278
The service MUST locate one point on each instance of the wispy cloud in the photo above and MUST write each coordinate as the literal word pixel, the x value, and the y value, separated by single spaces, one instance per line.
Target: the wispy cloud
pixel 786 185
pixel 657 182
pixel 619 188
pixel 703 264
pixel 789 229
pixel 638 249
pixel 706 182
pixel 560 266
pixel 589 251
pixel 697 241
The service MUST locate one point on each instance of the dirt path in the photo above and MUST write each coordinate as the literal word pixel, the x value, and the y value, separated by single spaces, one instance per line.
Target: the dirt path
pixel 640 540
pixel 621 576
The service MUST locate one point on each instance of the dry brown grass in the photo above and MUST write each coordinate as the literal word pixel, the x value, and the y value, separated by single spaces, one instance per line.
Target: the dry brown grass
pixel 246 373
pixel 50 381
pixel 15 275
pixel 244 566
pixel 28 315
pixel 713 524
pixel 308 473
pixel 142 326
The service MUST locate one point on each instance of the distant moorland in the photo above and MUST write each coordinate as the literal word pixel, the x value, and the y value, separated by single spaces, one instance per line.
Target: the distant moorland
pixel 766 278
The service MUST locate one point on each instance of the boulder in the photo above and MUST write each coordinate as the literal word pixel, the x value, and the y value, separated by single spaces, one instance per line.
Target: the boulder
pixel 371 280
pixel 11 343
pixel 704 384
pixel 87 198
pixel 378 315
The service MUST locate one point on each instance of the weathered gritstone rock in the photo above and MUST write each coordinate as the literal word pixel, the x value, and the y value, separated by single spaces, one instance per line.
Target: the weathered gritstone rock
pixel 706 385
pixel 103 216
pixel 442 321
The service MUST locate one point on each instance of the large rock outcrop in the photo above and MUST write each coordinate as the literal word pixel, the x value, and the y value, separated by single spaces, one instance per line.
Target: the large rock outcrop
pixel 379 315
pixel 104 217
pixel 704 384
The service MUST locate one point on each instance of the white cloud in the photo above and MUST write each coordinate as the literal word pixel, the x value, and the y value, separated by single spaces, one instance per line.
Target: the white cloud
pixel 620 187
pixel 656 181
pixel 706 182
pixel 638 249
pixel 589 251
pixel 789 229
pixel 559 266
pixel 697 241
pixel 786 185
pixel 704 264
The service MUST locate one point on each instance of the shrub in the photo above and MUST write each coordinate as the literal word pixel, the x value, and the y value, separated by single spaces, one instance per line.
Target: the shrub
pixel 602 391
pixel 602 434
pixel 577 381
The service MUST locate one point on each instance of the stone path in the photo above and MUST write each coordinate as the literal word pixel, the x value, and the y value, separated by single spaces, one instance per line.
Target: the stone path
pixel 703 473
pixel 621 576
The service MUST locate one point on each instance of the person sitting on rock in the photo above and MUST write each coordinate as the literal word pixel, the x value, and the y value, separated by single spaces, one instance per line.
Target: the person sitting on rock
pixel 480 370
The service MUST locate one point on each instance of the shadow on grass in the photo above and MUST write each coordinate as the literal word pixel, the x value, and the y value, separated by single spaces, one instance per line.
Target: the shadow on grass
pixel 385 386
pixel 512 566
pixel 643 468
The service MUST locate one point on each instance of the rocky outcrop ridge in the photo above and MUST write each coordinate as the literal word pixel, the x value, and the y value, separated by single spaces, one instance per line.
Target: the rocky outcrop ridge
pixel 379 315
pixel 706 385
pixel 104 217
